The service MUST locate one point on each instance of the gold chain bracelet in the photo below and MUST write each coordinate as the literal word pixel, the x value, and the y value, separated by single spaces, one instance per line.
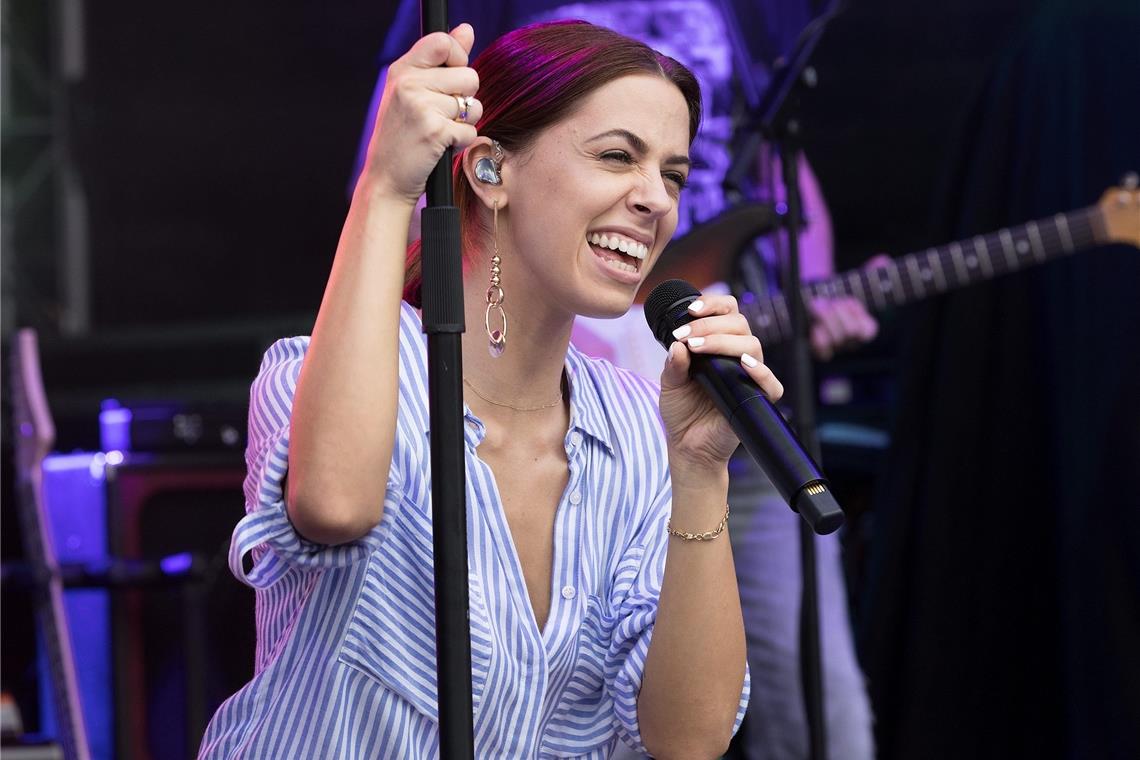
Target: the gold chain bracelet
pixel 708 535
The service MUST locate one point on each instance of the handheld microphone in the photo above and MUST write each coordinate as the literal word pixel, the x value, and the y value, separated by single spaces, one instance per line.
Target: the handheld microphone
pixel 759 425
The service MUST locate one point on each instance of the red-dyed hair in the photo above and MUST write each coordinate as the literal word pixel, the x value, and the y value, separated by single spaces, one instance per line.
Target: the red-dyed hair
pixel 535 76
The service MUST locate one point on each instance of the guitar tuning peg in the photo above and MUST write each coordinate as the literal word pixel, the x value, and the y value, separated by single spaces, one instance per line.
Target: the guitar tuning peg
pixel 1130 181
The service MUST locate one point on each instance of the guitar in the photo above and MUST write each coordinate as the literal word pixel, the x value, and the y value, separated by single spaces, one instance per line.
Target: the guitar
pixel 35 434
pixel 910 277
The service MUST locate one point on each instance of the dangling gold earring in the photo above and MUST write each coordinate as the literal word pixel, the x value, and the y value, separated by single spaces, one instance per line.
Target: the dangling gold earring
pixel 495 295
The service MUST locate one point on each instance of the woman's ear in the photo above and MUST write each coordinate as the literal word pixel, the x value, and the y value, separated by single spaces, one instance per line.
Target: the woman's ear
pixel 483 166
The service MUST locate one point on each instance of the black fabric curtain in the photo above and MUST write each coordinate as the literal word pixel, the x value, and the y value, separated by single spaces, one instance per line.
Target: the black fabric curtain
pixel 1001 613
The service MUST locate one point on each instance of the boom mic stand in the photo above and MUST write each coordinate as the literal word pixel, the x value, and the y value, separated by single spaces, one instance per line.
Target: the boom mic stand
pixel 777 121
pixel 443 323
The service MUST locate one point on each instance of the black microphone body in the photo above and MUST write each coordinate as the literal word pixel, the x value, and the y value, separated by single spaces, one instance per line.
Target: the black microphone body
pixel 760 427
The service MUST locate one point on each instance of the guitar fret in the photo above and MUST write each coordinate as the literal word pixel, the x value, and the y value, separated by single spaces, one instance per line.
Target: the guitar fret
pixel 1008 258
pixel 1050 238
pixel 926 272
pixel 885 285
pixel 861 294
pixel 934 261
pixel 959 264
pixel 835 287
pixel 984 256
pixel 1062 226
pixel 1088 227
pixel 1035 241
pixel 899 293
pixel 1007 247
pixel 989 249
pixel 916 276
pixel 873 286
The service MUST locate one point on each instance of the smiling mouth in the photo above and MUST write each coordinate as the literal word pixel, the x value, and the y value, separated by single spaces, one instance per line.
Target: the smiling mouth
pixel 617 251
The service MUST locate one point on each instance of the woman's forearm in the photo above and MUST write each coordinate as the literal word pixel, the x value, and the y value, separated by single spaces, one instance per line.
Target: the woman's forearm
pixel 344 411
pixel 694 672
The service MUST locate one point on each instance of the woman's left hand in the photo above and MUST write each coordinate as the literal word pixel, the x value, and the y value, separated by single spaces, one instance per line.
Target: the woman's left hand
pixel 698 434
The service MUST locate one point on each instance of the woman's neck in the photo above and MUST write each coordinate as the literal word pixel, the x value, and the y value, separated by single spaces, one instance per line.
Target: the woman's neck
pixel 528 373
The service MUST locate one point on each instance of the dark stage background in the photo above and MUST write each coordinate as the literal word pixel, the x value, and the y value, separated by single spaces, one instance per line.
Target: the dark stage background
pixel 215 144
pixel 996 563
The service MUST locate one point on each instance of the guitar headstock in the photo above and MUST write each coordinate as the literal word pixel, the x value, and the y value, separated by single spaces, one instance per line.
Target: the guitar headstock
pixel 1120 209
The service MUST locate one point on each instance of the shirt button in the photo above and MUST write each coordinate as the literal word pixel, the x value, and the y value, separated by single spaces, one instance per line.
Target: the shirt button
pixel 568 592
pixel 575 497
pixel 575 438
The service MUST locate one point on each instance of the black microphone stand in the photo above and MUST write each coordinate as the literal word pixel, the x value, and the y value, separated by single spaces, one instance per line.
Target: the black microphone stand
pixel 777 120
pixel 443 322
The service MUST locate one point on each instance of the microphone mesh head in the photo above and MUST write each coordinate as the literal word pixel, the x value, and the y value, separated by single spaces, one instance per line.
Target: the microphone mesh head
pixel 661 308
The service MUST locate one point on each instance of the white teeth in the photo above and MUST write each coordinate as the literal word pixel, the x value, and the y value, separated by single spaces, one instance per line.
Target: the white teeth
pixel 621 265
pixel 624 245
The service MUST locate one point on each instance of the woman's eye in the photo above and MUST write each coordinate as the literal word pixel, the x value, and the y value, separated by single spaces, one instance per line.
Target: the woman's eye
pixel 618 155
pixel 621 156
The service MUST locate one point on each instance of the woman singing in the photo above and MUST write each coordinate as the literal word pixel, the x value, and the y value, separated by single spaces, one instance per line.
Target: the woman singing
pixel 596 614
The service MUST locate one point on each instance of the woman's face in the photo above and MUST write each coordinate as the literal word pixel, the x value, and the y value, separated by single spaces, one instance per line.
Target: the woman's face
pixel 594 200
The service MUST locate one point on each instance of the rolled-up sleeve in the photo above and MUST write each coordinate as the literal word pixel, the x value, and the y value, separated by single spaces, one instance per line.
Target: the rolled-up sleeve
pixel 265 533
pixel 639 583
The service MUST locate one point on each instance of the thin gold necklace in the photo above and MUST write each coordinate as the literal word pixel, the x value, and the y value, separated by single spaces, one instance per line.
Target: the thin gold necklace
pixel 555 402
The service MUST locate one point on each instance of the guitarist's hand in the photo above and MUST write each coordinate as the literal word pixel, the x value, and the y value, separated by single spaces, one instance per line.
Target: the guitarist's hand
pixel 839 324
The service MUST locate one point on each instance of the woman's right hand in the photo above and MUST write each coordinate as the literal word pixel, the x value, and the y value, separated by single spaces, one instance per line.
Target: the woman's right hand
pixel 417 118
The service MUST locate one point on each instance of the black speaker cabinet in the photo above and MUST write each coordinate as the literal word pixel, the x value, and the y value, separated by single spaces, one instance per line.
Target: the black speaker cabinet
pixel 182 645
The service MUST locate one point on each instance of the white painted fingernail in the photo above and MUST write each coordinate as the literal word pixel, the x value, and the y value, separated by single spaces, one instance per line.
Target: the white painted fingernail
pixel 695 342
pixel 682 332
pixel 697 307
pixel 749 360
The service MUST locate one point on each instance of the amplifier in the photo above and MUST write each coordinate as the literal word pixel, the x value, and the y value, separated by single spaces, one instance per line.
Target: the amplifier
pixel 168 427
pixel 153 662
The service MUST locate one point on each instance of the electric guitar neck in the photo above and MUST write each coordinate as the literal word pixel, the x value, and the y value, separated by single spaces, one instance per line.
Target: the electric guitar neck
pixel 916 276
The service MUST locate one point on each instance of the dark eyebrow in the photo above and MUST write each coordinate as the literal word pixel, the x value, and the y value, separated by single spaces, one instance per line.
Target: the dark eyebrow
pixel 639 145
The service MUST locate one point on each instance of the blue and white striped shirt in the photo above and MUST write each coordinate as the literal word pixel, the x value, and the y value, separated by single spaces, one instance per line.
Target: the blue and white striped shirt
pixel 345 664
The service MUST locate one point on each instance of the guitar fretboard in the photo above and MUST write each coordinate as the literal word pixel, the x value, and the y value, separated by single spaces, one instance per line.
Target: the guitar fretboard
pixel 915 276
